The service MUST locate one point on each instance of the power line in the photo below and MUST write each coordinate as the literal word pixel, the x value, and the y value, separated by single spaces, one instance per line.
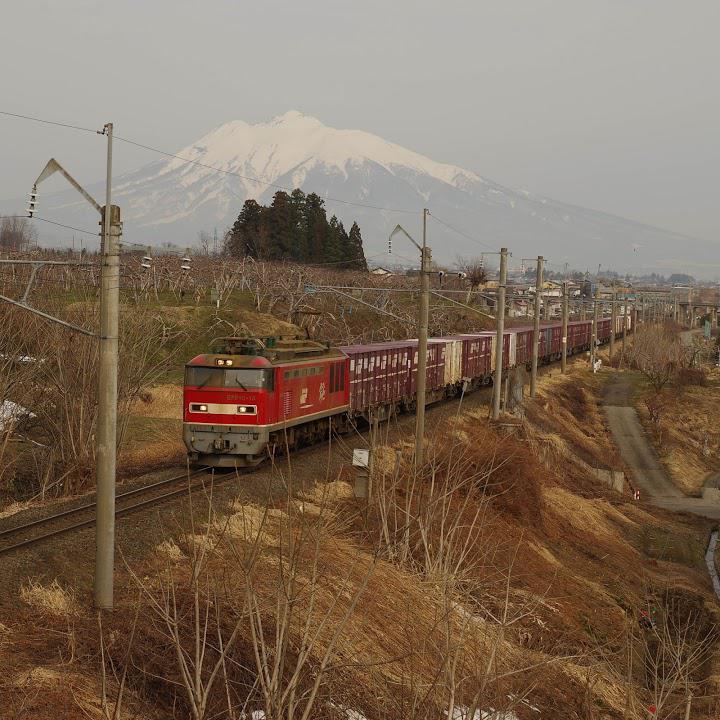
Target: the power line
pixel 52 222
pixel 49 122
pixel 460 232
pixel 68 227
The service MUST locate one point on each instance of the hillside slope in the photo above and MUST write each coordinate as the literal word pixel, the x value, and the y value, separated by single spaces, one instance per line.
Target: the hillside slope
pixel 517 584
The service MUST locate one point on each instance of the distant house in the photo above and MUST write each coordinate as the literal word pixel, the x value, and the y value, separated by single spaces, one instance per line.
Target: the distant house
pixel 381 271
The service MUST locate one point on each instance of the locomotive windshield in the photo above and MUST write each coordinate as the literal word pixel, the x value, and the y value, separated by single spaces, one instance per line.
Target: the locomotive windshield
pixel 242 378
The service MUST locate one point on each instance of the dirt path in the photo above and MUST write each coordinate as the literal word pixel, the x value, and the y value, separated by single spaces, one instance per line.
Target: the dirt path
pixel 647 471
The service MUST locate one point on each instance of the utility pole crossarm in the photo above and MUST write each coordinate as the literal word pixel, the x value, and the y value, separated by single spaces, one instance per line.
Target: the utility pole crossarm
pixel 30 308
pixel 54 166
pixel 401 229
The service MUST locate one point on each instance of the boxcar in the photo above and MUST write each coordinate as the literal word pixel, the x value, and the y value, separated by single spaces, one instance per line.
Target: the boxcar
pixel 385 374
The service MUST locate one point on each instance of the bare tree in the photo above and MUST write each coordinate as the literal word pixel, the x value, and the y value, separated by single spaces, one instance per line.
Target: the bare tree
pixel 16 233
pixel 476 273
pixel 658 354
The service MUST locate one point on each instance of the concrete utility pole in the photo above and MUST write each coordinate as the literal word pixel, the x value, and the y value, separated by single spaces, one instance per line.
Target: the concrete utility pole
pixel 612 323
pixel 536 326
pixel 563 359
pixel 690 309
pixel 107 393
pixel 624 327
pixel 422 343
pixel 500 320
pixel 106 433
pixel 420 383
pixel 593 346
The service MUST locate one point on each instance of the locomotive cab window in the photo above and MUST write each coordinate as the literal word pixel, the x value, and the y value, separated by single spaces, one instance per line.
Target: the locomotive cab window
pixel 242 378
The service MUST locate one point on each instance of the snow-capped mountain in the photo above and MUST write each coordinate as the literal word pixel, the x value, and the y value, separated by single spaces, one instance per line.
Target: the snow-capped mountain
pixel 357 173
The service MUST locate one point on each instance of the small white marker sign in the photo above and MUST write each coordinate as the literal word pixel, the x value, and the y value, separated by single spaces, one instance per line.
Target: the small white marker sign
pixel 360 458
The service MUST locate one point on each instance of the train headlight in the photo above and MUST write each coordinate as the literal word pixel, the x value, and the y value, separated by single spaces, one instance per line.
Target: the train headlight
pixel 223 362
pixel 246 409
pixel 198 407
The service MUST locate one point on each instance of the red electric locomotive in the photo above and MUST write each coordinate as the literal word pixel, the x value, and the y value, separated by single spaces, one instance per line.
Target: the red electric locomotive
pixel 248 395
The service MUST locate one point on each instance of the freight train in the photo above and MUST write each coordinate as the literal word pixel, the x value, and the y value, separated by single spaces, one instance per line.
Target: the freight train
pixel 250 397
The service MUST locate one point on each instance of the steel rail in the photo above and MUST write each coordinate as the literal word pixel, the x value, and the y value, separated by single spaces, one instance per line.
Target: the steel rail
pixel 46 520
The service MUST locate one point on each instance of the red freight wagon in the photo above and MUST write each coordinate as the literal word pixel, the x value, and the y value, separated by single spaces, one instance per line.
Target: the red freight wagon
pixel 385 373
pixel 506 346
pixel 523 349
pixel 579 334
pixel 476 354
pixel 603 329
pixel 555 335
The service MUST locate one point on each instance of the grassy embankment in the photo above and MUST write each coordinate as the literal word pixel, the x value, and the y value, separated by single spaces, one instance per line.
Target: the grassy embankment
pixel 685 433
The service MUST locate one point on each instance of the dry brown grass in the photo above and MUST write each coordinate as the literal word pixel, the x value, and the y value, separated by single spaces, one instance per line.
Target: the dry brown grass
pixel 161 401
pixel 15 507
pixel 52 599
pixel 330 492
pixel 687 438
pixel 561 555
pixel 156 453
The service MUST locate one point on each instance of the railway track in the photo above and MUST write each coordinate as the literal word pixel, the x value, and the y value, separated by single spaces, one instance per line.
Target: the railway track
pixel 82 516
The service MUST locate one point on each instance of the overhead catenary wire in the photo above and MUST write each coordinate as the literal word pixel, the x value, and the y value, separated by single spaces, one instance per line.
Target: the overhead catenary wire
pixel 52 222
pixel 49 122
pixel 460 232
pixel 68 227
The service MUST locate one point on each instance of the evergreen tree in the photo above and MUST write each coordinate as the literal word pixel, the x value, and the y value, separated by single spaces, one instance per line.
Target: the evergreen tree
pixel 281 225
pixel 356 248
pixel 244 238
pixel 317 227
pixel 294 227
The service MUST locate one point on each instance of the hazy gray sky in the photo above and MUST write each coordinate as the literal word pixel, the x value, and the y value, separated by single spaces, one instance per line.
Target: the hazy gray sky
pixel 611 104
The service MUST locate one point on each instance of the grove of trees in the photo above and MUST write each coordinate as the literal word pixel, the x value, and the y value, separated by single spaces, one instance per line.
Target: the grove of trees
pixel 294 227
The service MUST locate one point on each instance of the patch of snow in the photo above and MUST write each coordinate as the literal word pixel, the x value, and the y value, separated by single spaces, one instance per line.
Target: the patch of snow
pixel 463 713
pixel 349 713
pixel 11 413
pixel 354 715
pixel 22 358
pixel 523 701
